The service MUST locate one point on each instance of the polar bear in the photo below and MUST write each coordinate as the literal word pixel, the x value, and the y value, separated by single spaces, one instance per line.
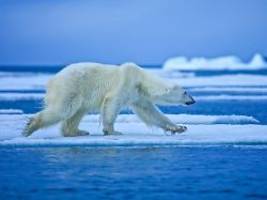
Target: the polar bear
pixel 93 87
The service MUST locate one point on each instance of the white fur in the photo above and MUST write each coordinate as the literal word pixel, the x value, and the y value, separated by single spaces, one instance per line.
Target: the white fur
pixel 92 87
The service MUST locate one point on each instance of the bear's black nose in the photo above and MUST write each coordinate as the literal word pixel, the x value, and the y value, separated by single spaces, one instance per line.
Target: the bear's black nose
pixel 192 101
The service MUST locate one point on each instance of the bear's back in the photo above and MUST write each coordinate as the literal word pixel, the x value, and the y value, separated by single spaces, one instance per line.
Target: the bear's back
pixel 87 67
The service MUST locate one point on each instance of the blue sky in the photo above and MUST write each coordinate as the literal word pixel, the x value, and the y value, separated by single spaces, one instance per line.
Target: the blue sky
pixel 147 32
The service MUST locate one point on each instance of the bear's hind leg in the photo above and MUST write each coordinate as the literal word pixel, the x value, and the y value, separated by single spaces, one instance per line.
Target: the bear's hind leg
pixel 69 126
pixel 40 120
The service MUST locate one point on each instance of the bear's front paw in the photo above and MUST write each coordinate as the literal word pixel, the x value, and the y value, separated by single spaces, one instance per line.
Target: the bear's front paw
pixel 176 129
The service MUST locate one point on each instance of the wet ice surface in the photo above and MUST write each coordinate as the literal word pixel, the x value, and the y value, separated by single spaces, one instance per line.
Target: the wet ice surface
pixel 222 155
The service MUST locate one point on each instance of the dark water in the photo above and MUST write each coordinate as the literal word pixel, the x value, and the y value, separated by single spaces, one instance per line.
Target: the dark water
pixel 219 172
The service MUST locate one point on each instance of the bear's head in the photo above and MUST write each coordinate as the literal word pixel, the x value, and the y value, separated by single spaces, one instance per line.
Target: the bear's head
pixel 173 95
pixel 162 92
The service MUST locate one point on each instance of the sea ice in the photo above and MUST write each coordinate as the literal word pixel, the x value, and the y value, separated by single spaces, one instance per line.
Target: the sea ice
pixel 136 133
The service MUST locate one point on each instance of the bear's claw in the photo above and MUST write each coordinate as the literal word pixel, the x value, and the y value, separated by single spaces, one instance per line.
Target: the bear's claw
pixel 176 129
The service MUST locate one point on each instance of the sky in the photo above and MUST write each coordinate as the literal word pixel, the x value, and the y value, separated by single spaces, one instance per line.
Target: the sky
pixel 56 32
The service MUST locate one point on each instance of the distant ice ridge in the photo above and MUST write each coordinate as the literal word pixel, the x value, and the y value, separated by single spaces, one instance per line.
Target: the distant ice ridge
pixel 219 63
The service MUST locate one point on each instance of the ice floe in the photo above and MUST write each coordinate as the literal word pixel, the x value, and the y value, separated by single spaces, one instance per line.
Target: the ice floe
pixel 138 134
pixel 201 129
pixel 219 63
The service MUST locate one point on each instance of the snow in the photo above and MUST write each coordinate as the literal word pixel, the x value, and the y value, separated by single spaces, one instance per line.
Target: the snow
pixel 201 130
pixel 219 63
